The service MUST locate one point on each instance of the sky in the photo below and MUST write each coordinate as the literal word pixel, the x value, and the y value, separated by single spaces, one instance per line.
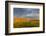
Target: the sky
pixel 26 12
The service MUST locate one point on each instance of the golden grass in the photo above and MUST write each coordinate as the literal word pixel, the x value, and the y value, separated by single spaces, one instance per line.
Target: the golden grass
pixel 25 22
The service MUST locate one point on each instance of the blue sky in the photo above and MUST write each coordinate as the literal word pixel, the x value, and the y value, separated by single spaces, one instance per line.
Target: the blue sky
pixel 21 12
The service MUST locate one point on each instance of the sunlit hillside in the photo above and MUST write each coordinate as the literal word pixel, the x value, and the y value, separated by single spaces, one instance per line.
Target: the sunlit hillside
pixel 22 19
pixel 25 22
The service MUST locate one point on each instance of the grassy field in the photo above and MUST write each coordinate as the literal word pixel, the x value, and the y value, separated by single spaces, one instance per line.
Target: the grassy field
pixel 19 23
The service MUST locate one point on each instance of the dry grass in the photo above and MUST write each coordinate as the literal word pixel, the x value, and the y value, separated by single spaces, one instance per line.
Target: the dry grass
pixel 25 22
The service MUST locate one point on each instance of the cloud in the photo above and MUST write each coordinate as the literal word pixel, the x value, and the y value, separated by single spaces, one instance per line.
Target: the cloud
pixel 21 12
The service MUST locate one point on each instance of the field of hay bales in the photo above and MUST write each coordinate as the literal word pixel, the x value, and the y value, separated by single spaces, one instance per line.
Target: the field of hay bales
pixel 25 22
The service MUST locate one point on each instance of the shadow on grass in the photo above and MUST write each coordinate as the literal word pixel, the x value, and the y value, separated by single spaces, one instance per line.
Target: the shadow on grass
pixel 26 24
